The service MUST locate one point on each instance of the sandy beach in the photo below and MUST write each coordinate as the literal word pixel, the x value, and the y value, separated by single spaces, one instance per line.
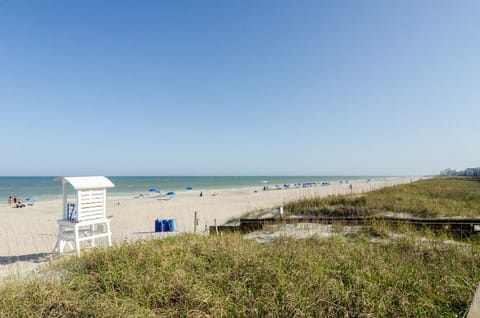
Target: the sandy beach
pixel 28 235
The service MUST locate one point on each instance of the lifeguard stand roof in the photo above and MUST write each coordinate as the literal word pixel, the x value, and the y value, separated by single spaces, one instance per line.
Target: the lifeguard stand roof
pixel 83 183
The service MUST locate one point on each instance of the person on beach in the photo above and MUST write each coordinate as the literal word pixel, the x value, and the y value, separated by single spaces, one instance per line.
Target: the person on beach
pixel 14 200
pixel 19 204
pixel 10 201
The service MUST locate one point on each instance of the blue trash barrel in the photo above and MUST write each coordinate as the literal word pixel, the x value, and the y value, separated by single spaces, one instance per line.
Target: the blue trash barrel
pixel 158 225
pixel 172 225
pixel 165 227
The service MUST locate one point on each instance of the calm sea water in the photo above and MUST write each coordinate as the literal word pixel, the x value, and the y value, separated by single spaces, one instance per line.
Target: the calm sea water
pixel 47 188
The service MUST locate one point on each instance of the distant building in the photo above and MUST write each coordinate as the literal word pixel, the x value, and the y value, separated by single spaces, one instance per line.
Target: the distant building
pixel 467 172
pixel 447 172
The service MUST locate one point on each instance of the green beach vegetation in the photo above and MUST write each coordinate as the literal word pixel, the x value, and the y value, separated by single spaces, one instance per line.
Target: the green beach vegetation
pixel 198 276
pixel 435 197
pixel 376 271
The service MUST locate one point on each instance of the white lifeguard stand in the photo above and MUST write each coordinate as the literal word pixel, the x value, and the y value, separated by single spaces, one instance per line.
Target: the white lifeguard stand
pixel 81 217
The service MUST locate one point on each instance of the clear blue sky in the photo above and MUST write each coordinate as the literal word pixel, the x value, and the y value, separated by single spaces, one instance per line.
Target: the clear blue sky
pixel 239 87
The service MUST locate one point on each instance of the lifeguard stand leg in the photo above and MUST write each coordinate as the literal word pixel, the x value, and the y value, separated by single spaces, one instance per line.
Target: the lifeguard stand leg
pixel 109 234
pixel 92 229
pixel 77 240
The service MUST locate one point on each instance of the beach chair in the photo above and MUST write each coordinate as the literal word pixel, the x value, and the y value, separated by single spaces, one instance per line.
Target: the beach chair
pixel 86 219
pixel 30 201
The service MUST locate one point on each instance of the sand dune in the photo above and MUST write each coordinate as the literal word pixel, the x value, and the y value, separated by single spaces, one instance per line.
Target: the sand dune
pixel 28 235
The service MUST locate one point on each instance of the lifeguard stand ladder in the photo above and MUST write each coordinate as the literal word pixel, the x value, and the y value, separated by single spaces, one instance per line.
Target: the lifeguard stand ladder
pixel 85 219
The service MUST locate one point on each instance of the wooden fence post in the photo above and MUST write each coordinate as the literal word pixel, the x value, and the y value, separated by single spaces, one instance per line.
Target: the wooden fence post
pixel 475 306
pixel 195 222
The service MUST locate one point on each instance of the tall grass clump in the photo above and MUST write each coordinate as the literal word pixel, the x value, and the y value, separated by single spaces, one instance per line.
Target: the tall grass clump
pixel 330 206
pixel 445 196
pixel 228 276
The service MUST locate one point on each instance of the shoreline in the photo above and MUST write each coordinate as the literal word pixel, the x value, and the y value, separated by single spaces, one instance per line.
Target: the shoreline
pixel 29 234
pixel 47 189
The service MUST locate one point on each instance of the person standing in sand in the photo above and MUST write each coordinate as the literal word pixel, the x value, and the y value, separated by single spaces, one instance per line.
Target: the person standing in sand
pixel 10 201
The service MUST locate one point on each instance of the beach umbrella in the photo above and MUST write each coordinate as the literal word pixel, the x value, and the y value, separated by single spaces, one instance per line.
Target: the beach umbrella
pixel 152 190
pixel 188 188
pixel 171 193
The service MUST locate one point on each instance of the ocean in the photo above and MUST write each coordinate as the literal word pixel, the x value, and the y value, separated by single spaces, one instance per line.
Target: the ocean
pixel 47 188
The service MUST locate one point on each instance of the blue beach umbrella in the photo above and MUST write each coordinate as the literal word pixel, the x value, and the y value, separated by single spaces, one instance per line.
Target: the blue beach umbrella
pixel 171 193
pixel 188 188
pixel 152 190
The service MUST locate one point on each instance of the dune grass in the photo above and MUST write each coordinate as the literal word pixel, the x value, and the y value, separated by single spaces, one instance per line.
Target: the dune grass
pixel 375 272
pixel 228 276
pixel 442 196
